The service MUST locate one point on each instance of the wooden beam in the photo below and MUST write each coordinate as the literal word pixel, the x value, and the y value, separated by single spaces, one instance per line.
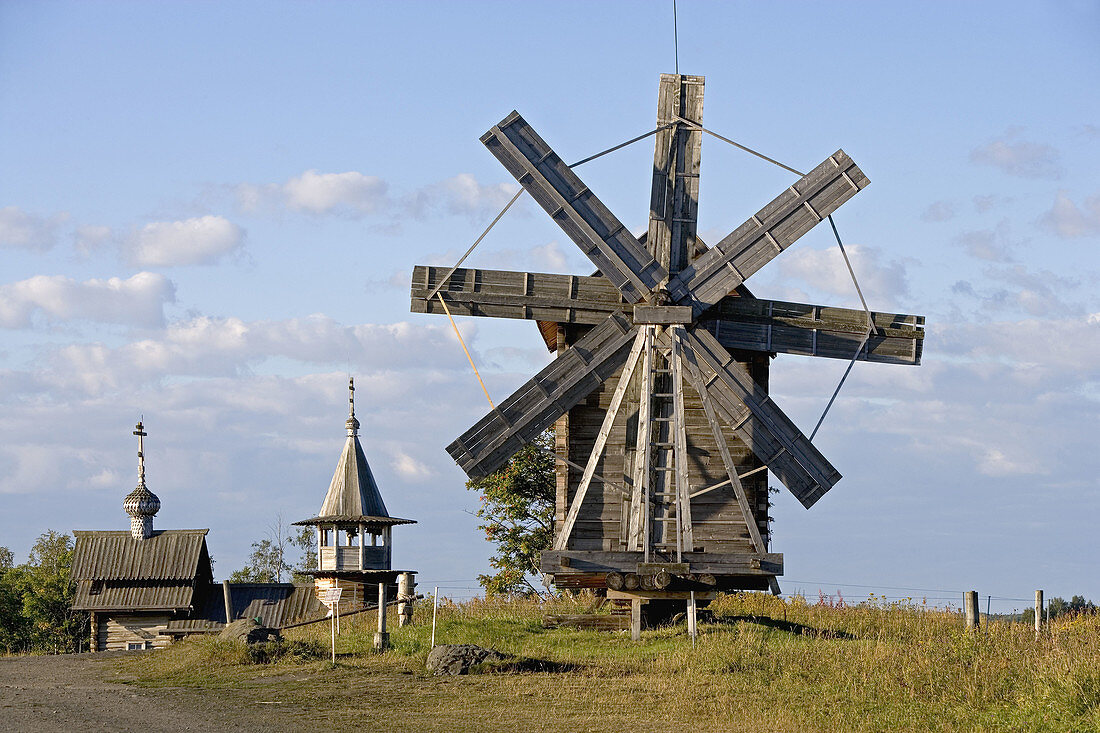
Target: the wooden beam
pixel 674 199
pixel 662 315
pixel 601 440
pixel 552 561
pixel 541 400
pixel 696 381
pixel 767 431
pixel 737 322
pixel 556 188
pixel 638 533
pixel 685 535
pixel 774 228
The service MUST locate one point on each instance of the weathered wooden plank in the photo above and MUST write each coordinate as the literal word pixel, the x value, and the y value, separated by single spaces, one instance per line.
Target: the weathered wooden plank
pixel 662 314
pixel 601 440
pixel 538 403
pixel 662 595
pixel 737 322
pixel 556 188
pixel 586 621
pixel 639 500
pixel 718 563
pixel 696 380
pixel 767 431
pixel 777 226
pixel 685 536
pixel 674 199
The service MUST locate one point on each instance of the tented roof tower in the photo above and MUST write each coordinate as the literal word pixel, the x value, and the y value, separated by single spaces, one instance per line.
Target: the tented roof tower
pixel 353 526
pixel 353 495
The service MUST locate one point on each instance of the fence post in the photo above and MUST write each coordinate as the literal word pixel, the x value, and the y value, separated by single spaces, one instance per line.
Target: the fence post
pixel 381 638
pixel 970 601
pixel 435 605
pixel 1038 612
pixel 405 595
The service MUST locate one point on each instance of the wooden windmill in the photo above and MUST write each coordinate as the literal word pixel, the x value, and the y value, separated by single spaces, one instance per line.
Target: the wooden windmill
pixel 664 427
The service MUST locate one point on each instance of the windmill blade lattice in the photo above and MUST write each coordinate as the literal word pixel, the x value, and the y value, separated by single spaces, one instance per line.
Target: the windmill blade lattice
pixel 660 383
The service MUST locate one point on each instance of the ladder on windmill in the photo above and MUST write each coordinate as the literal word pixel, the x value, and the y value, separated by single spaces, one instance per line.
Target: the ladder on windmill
pixel 660 516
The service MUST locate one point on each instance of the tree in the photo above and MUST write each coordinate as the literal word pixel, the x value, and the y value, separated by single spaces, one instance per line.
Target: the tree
pixel 517 506
pixel 265 564
pixel 305 540
pixel 36 599
pixel 13 626
pixel 269 563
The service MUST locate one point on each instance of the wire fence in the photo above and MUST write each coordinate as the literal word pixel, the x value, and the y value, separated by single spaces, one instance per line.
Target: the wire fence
pixel 463 589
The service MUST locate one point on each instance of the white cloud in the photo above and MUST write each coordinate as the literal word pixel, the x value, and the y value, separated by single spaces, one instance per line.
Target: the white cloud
pixel 882 282
pixel 28 231
pixel 354 194
pixel 993 399
pixel 550 256
pixel 984 203
pixel 138 300
pixel 89 238
pixel 987 244
pixel 348 194
pixel 994 462
pixel 459 195
pixel 223 347
pixel 1067 220
pixel 1019 158
pixel 463 194
pixel 409 468
pixel 939 211
pixel 321 193
pixel 1068 346
pixel 199 241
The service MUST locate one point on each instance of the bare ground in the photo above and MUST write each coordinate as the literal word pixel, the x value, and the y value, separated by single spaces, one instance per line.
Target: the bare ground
pixel 84 692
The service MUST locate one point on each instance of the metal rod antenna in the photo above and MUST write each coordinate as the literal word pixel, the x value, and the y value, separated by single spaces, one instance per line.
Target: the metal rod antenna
pixel 675 39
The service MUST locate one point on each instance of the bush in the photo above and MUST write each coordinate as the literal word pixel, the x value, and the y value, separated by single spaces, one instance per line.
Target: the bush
pixel 270 652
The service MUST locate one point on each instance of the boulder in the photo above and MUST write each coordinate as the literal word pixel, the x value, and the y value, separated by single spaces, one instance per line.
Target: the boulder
pixel 249 631
pixel 447 659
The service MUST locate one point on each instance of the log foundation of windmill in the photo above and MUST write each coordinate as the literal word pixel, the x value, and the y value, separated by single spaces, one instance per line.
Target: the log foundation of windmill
pixel 659 392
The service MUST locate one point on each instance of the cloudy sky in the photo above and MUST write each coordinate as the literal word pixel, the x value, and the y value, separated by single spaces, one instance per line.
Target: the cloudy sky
pixel 209 213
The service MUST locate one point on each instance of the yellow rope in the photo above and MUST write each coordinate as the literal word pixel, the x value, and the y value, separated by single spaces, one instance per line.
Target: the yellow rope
pixel 459 335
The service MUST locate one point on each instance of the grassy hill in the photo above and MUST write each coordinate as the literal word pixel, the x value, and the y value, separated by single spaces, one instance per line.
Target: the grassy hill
pixel 762 664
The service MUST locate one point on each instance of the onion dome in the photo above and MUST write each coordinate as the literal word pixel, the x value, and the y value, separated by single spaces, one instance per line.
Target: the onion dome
pixel 141 503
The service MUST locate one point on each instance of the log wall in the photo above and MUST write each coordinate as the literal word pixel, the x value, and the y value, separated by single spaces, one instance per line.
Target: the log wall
pixel 602 524
pixel 117 631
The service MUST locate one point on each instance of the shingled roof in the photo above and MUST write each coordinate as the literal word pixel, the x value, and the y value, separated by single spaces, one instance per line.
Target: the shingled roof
pixel 275 604
pixel 115 571
pixel 353 495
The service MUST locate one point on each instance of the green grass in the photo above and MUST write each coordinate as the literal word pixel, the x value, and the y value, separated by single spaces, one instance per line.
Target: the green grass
pixel 764 663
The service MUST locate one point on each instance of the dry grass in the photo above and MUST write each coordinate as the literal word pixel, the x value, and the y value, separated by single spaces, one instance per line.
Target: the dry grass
pixel 764 664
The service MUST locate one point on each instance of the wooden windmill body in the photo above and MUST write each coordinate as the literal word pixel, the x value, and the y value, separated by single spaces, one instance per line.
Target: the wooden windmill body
pixel 665 431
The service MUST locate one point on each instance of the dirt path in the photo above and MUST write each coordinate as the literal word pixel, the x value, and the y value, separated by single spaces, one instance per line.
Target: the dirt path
pixel 76 692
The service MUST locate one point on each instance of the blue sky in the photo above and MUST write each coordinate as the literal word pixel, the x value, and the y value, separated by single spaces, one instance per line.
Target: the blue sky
pixel 209 212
